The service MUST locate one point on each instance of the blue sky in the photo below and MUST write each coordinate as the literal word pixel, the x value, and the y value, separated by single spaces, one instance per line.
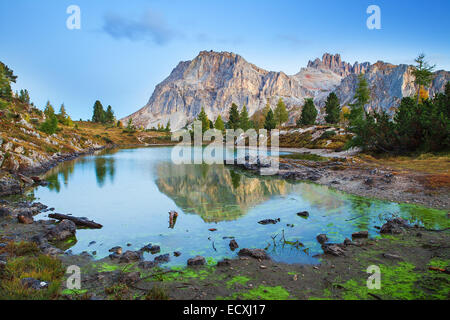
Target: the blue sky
pixel 125 48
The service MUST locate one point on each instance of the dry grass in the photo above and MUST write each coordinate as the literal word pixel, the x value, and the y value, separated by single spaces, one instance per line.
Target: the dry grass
pixel 438 165
pixel 25 261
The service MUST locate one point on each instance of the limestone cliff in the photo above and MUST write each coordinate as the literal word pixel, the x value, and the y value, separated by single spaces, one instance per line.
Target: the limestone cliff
pixel 214 80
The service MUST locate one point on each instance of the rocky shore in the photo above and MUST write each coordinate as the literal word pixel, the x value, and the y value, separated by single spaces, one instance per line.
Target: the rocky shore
pixel 348 175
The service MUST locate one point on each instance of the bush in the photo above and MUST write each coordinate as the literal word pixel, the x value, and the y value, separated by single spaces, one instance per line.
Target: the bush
pixel 50 126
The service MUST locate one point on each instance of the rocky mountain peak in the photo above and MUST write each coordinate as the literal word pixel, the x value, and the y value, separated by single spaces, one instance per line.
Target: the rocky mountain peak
pixel 338 66
pixel 214 80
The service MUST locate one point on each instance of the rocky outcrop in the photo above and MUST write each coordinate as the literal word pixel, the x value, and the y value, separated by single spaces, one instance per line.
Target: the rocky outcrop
pixel 214 80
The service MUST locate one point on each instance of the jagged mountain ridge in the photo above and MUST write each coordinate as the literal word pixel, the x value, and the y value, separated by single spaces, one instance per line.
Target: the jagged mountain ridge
pixel 214 80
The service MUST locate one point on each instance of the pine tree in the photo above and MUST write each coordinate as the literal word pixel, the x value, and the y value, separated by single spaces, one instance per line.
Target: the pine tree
pixel 244 121
pixel 109 115
pixel 168 126
pixel 98 114
pixel 204 119
pixel 49 111
pixel 270 122
pixel 281 114
pixel 362 97
pixel 309 114
pixel 233 119
pixel 219 125
pixel 423 73
pixel 5 86
pixel 24 96
pixel 332 109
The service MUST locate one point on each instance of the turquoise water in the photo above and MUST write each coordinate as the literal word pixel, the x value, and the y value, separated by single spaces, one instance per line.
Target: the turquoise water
pixel 131 191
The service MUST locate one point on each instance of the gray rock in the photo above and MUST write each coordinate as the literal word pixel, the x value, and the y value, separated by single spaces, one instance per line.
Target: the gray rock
pixel 130 256
pixel 394 226
pixel 333 249
pixel 5 212
pixel 162 258
pixel 63 230
pixel 322 238
pixel 34 283
pixel 117 250
pixel 233 245
pixel 196 261
pixel 254 253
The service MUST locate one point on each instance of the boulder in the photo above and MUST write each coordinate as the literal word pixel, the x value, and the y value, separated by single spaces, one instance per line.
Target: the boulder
pixel 117 250
pixel 394 226
pixel 150 248
pixel 233 245
pixel 196 261
pixel 177 253
pixel 333 249
pixel 322 238
pixel 254 253
pixel 162 258
pixel 130 256
pixel 35 284
pixel 25 219
pixel 63 230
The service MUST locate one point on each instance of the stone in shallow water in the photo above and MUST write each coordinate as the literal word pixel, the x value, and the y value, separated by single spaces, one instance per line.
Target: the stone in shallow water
pixel 196 261
pixel 360 234
pixel 322 238
pixel 162 258
pixel 254 253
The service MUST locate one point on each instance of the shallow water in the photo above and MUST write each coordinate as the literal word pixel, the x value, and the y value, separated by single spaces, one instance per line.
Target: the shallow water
pixel 130 192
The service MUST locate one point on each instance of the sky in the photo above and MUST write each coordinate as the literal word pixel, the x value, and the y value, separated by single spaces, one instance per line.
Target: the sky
pixel 123 49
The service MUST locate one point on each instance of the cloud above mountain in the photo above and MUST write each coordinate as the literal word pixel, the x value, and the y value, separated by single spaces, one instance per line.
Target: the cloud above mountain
pixel 150 27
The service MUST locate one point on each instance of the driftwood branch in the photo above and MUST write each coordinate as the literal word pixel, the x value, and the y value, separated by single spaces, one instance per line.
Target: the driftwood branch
pixel 78 221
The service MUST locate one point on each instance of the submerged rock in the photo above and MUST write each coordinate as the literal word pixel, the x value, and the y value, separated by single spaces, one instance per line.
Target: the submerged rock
pixel 269 221
pixel 304 214
pixel 196 261
pixel 254 253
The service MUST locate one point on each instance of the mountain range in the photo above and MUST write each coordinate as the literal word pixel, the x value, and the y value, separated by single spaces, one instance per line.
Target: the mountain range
pixel 214 80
